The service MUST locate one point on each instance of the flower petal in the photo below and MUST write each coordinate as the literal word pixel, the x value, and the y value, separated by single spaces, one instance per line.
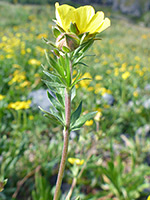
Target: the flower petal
pixel 105 24
pixel 83 16
pixel 95 22
pixel 64 15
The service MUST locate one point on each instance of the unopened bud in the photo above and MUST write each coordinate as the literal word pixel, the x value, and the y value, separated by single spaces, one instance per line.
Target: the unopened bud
pixel 69 41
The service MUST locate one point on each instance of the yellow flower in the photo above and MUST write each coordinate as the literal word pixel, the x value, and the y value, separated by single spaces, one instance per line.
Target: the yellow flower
pixel 98 78
pixel 76 161
pixel 19 105
pixel 1 97
pixel 41 35
pixel 125 75
pixel 85 83
pixel 84 17
pixel 34 62
pixel 89 123
pixel 148 197
pixel 135 94
pixel 31 117
pixel 98 116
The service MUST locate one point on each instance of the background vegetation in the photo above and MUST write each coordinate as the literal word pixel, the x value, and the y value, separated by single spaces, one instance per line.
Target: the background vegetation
pixel 116 148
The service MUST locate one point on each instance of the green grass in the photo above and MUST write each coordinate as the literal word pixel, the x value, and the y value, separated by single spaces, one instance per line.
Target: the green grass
pixel 29 140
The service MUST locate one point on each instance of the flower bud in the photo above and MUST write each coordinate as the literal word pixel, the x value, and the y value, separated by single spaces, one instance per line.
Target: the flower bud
pixel 67 41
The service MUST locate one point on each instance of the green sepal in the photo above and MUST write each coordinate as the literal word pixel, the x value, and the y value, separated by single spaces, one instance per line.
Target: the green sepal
pixel 66 49
pixel 56 52
pixel 56 31
pixel 80 122
pixel 60 28
pixel 76 114
pixel 73 28
pixel 83 37
pixel 53 117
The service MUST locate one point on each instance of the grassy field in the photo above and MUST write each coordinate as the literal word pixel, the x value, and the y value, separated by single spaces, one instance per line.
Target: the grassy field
pixel 115 149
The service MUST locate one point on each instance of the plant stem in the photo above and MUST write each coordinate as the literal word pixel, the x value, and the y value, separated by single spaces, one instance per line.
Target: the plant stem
pixel 66 142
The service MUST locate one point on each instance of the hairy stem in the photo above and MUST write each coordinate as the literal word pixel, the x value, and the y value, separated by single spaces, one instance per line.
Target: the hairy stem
pixel 65 147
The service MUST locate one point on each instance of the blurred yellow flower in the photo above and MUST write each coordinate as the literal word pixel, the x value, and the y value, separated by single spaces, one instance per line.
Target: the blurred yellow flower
pixel 135 94
pixel 31 117
pixel 34 62
pixel 89 123
pixel 85 83
pixel 24 84
pixel 42 35
pixel 148 197
pixel 84 17
pixel 125 75
pixel 90 89
pixel 98 116
pixel 19 105
pixel 1 97
pixel 76 161
pixel 98 77
pixel 16 66
pixel 17 77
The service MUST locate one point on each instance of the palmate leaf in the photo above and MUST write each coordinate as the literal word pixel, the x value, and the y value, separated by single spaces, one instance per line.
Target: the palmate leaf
pixel 80 122
pixel 53 117
pixel 76 114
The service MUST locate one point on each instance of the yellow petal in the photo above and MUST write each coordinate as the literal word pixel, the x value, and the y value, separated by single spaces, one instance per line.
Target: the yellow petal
pixel 83 15
pixel 105 24
pixel 95 22
pixel 64 15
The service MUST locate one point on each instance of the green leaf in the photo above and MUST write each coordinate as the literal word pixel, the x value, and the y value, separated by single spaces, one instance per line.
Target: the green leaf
pixel 2 184
pixel 81 63
pixel 53 84
pixel 52 76
pixel 53 117
pixel 73 93
pixel 82 120
pixel 78 198
pixel 87 46
pixel 67 67
pixel 55 65
pixel 76 114
pixel 49 42
pixel 54 102
pixel 78 80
